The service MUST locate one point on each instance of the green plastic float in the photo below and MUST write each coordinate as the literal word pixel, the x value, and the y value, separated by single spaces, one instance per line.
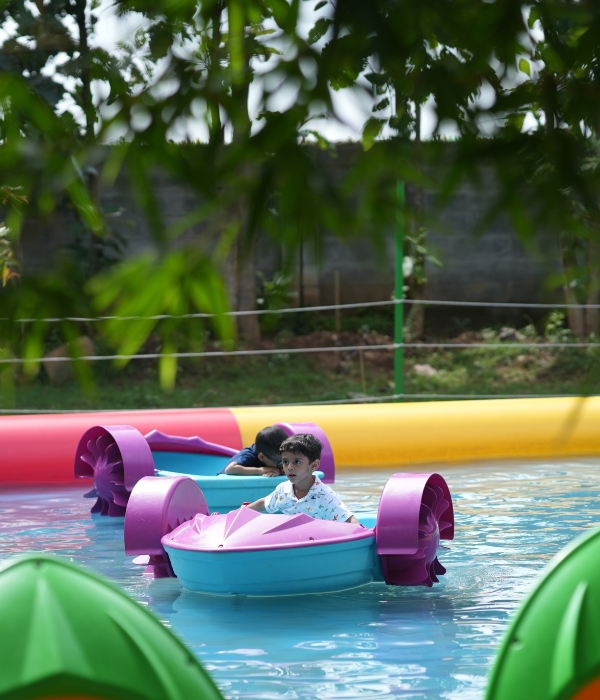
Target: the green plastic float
pixel 552 648
pixel 65 633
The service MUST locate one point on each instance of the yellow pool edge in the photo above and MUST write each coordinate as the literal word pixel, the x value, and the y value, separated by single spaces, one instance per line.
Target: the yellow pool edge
pixel 403 434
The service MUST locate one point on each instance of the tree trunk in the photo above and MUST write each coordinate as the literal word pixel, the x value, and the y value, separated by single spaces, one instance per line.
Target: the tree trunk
pixel 248 326
pixel 216 127
pixel 568 258
pixel 592 315
pixel 575 316
pixel 87 104
pixel 416 287
pixel 93 183
pixel 416 316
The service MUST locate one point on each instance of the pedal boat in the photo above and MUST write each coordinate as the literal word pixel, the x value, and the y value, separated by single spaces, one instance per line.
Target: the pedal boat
pixel 118 456
pixel 254 554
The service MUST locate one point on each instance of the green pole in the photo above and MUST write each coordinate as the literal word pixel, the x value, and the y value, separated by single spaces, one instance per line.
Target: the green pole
pixel 399 291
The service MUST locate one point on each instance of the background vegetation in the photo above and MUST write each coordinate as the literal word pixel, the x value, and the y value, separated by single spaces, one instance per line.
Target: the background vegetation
pixel 517 82
pixel 488 362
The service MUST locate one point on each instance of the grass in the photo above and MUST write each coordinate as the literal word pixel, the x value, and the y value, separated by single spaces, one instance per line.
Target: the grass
pixel 293 379
pixel 491 370
pixel 253 381
pixel 505 371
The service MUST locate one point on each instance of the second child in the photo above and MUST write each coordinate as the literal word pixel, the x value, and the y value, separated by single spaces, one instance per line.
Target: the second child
pixel 262 458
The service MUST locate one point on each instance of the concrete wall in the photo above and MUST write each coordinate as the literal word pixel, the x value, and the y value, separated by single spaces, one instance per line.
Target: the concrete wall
pixel 493 267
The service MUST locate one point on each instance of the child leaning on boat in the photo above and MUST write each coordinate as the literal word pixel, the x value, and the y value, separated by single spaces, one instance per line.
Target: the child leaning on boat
pixel 262 458
pixel 303 492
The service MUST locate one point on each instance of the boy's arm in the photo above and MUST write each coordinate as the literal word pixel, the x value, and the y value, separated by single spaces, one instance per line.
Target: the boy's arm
pixel 240 470
pixel 352 519
pixel 258 505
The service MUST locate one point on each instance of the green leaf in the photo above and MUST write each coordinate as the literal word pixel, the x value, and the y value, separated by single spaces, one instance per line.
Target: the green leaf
pixel 371 131
pixel 381 105
pixel 167 368
pixel 262 32
pixel 552 59
pixel 574 36
pixel 319 30
pixel 524 66
pixel 534 15
pixel 86 208
pixel 320 4
pixel 379 79
pixel 515 121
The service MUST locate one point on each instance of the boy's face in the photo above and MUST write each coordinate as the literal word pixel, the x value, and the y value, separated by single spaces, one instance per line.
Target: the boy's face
pixel 297 467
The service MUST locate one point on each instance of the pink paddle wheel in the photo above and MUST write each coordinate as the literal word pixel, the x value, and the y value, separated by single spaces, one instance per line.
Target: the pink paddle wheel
pixel 157 506
pixel 415 512
pixel 116 457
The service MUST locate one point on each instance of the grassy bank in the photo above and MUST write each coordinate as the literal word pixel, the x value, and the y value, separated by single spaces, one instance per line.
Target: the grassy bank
pixel 494 369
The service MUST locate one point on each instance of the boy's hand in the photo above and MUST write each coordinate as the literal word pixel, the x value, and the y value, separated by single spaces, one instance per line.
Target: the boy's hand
pixel 270 471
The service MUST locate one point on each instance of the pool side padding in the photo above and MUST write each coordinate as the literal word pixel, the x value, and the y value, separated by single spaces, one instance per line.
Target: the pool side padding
pixel 42 447
pixel 392 435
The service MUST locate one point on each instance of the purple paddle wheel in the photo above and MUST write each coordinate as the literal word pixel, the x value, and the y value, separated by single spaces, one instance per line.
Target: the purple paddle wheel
pixel 116 457
pixel 157 506
pixel 415 512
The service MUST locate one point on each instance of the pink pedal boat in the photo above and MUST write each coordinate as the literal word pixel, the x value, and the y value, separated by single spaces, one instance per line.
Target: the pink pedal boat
pixel 248 553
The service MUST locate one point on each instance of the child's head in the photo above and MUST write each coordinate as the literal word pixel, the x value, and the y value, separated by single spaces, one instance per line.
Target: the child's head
pixel 268 441
pixel 304 444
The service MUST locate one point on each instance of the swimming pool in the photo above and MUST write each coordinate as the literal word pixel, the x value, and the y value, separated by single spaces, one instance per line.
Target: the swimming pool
pixel 368 642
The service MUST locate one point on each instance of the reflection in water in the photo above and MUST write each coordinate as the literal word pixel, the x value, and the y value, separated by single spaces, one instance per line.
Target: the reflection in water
pixel 367 642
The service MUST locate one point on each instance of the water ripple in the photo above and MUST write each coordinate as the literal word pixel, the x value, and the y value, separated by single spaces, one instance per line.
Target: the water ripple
pixel 365 643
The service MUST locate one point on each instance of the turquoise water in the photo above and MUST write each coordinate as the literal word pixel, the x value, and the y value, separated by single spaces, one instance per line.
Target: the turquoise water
pixel 368 642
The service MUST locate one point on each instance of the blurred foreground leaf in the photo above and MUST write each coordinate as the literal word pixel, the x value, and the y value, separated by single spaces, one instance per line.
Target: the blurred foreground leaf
pixel 150 297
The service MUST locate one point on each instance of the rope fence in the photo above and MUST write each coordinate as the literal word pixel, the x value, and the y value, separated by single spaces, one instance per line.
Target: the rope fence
pixel 326 349
pixel 301 309
pixel 294 351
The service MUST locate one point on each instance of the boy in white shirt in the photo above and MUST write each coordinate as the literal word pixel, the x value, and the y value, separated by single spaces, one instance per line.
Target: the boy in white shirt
pixel 303 492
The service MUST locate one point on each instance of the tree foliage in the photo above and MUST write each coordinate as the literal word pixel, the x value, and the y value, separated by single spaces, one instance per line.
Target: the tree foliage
pixel 518 84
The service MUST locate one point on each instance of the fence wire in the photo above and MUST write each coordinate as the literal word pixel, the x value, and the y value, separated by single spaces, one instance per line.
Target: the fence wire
pixel 293 351
pixel 312 350
pixel 302 309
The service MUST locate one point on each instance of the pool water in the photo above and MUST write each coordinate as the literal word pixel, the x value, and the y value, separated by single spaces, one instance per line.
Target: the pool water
pixel 368 642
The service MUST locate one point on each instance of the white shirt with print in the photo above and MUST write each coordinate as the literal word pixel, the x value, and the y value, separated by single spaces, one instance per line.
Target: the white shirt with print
pixel 320 502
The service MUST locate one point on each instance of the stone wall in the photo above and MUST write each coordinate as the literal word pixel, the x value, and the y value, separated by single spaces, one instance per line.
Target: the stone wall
pixel 493 267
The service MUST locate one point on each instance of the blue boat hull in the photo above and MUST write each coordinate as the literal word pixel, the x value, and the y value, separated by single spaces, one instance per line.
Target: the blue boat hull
pixel 223 492
pixel 290 571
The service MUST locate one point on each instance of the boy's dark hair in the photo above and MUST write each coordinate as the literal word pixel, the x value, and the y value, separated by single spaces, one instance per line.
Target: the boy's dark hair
pixel 268 441
pixel 304 444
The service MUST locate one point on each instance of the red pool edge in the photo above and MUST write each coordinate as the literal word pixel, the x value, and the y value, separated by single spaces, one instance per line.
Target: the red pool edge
pixel 40 449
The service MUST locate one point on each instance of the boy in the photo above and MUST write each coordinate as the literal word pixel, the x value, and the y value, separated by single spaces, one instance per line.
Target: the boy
pixel 303 492
pixel 260 459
